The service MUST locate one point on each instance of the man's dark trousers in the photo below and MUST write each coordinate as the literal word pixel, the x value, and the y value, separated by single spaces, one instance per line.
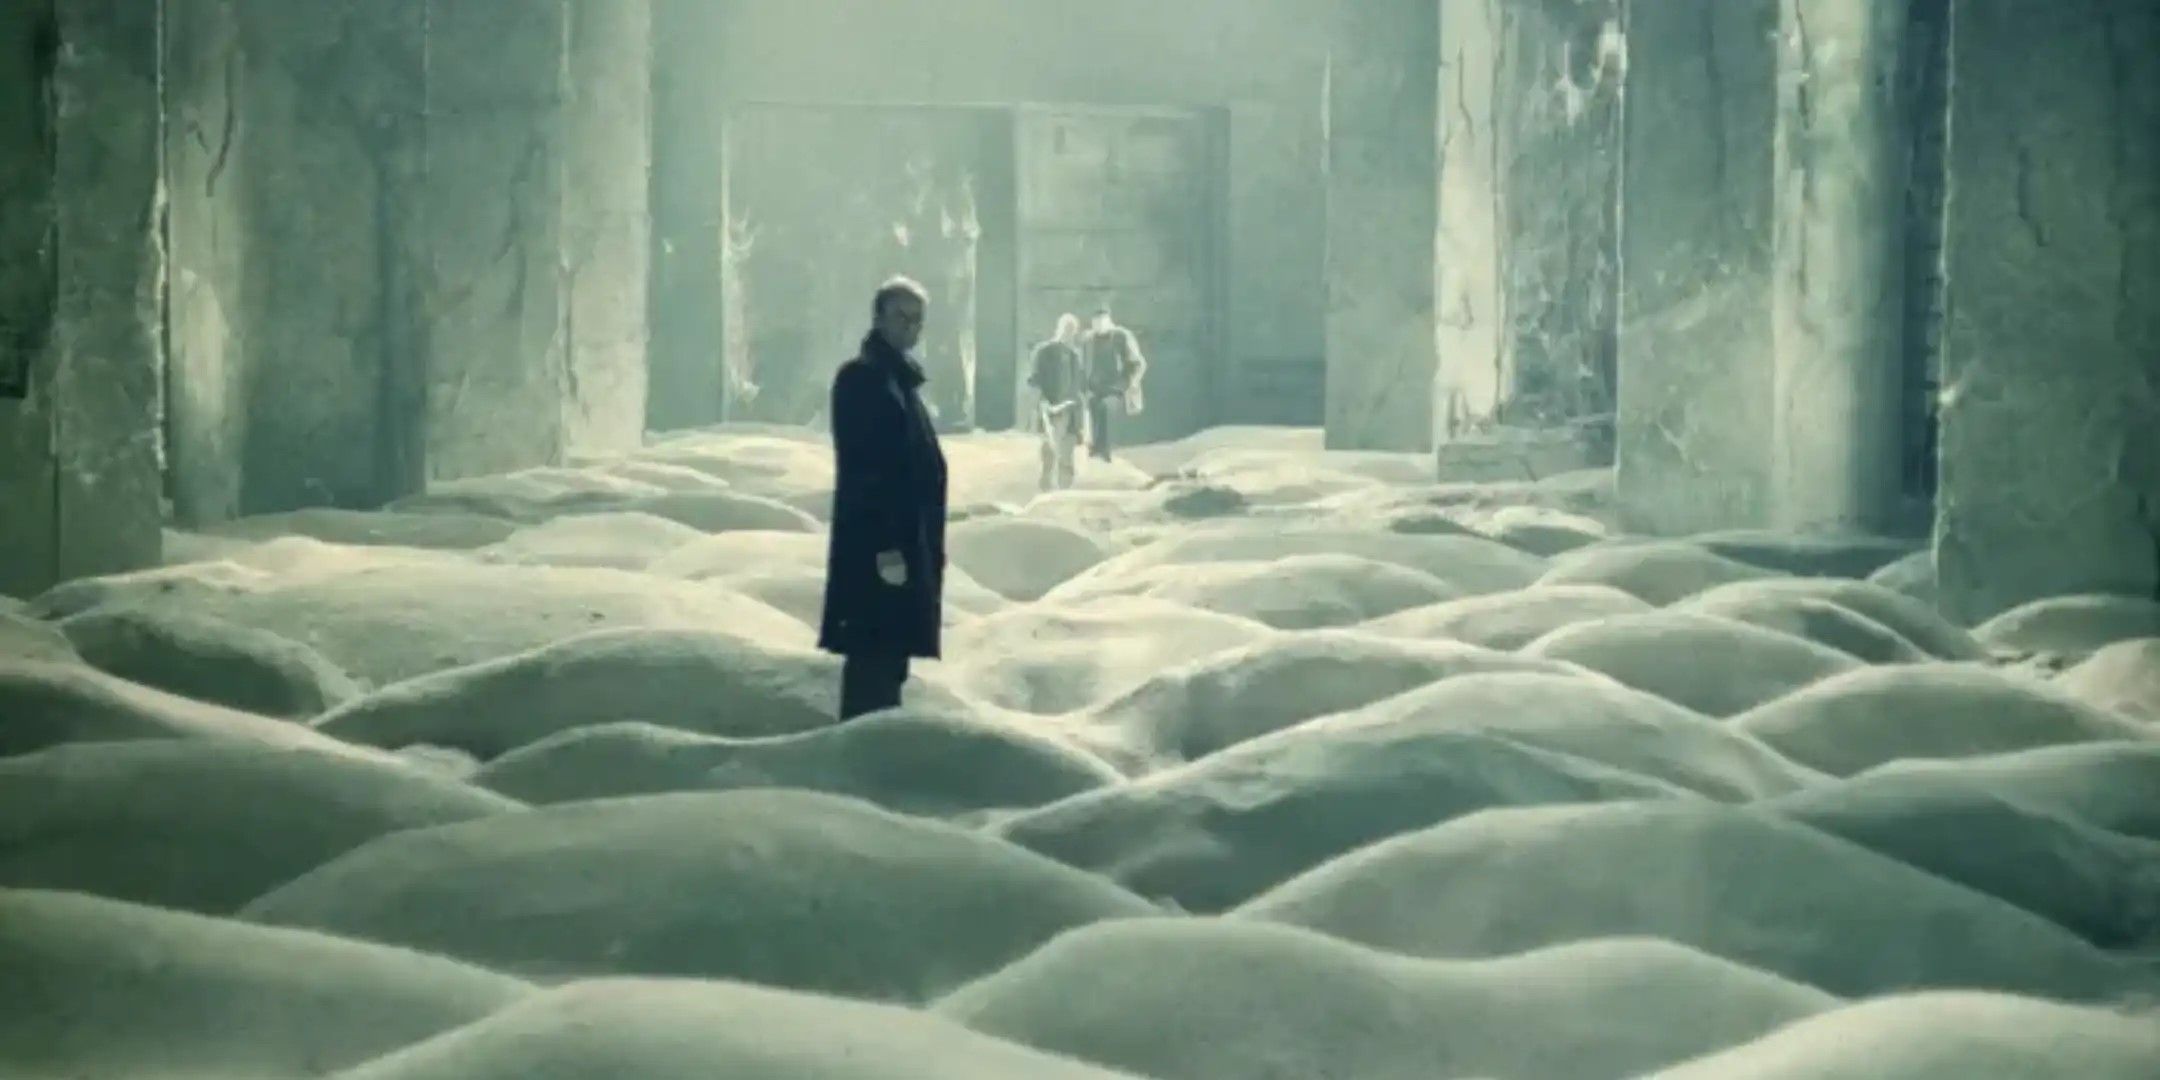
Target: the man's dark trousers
pixel 1098 406
pixel 870 681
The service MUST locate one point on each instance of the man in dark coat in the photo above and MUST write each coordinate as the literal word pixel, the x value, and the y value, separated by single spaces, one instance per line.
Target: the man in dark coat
pixel 885 563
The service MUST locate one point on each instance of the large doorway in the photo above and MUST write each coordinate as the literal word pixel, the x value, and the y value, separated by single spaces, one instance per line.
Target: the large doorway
pixel 1010 215
pixel 1118 207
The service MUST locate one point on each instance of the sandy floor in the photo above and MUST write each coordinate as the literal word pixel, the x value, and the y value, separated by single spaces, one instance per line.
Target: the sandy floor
pixel 1246 761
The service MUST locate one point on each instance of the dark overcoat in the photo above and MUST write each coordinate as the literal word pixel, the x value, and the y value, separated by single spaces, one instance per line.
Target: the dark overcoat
pixel 888 495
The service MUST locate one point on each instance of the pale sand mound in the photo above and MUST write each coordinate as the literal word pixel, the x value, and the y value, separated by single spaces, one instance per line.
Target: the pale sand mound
pixel 446 530
pixel 800 593
pixel 1509 620
pixel 24 638
pixel 2100 885
pixel 1743 884
pixel 1941 1036
pixel 1471 564
pixel 1221 700
pixel 1908 618
pixel 715 684
pixel 1589 717
pixel 615 541
pixel 1659 571
pixel 383 624
pixel 726 511
pixel 617 1029
pixel 1055 658
pixel 188 584
pixel 769 462
pixel 1807 554
pixel 1212 999
pixel 2124 677
pixel 1814 619
pixel 46 704
pixel 211 660
pixel 2071 626
pixel 1176 454
pixel 1873 716
pixel 934 764
pixel 744 551
pixel 1022 559
pixel 1107 511
pixel 1541 530
pixel 1297 592
pixel 528 495
pixel 2107 785
pixel 1714 666
pixel 204 825
pixel 104 989
pixel 780 888
pixel 1215 833
pixel 1912 576
pixel 660 474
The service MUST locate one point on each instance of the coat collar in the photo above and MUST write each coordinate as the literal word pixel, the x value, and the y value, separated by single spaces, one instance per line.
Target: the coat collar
pixel 903 367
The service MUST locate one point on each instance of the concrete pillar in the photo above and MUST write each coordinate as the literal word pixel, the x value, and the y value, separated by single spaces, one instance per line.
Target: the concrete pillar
pixel 2050 465
pixel 1382 222
pixel 28 65
pixel 687 333
pixel 533 307
pixel 1696 372
pixel 106 363
pixel 1529 170
pixel 79 330
pixel 1841 168
pixel 607 223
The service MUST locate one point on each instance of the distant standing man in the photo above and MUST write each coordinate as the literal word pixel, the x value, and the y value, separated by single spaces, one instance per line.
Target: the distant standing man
pixel 1054 373
pixel 885 563
pixel 1113 370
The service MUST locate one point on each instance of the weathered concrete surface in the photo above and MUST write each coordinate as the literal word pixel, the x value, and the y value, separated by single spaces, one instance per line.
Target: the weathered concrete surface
pixel 1840 188
pixel 206 235
pixel 533 279
pixel 1473 376
pixel 606 224
pixel 1529 172
pixel 491 238
pixel 27 476
pixel 2050 464
pixel 109 266
pixel 684 367
pixel 1382 226
pixel 1696 365
pixel 292 145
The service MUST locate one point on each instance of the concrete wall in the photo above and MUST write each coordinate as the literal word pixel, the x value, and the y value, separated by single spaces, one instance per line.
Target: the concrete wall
pixel 79 479
pixel 532 195
pixel 292 147
pixel 684 303
pixel 491 239
pixel 1382 226
pixel 607 222
pixel 1529 170
pixel 27 476
pixel 1844 142
pixel 1696 370
pixel 1261 60
pixel 409 240
pixel 2050 461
